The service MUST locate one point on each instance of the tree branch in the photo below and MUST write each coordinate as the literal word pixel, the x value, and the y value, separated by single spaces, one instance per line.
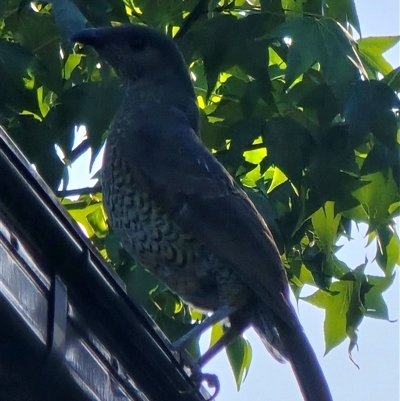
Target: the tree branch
pixel 80 191
pixel 194 15
pixel 79 150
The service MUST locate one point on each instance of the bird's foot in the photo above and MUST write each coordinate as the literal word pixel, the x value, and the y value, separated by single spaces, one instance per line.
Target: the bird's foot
pixel 193 369
pixel 211 380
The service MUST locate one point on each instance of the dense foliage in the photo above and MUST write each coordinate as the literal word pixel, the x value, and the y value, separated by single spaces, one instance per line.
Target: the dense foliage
pixel 304 116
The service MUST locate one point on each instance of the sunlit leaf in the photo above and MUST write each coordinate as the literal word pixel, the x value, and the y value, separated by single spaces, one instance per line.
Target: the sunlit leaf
pixel 336 307
pixel 239 354
pixel 217 332
pixel 326 224
pixel 375 201
pixel 371 50
pixel 278 178
pixel 375 304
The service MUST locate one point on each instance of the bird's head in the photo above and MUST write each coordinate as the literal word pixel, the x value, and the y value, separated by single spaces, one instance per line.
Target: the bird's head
pixel 135 51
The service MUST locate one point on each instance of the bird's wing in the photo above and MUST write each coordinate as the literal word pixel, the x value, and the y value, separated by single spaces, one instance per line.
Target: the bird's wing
pixel 176 168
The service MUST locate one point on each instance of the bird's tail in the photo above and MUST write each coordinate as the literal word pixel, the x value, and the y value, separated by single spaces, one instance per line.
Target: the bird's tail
pixel 291 343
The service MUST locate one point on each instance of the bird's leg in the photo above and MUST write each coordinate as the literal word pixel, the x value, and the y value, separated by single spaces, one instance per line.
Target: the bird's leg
pixel 234 331
pixel 198 376
pixel 220 314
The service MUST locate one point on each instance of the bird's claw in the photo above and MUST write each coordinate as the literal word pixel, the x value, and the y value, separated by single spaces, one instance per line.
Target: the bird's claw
pixel 211 380
pixel 197 376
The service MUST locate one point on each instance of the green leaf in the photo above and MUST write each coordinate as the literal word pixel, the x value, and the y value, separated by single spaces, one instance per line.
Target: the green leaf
pixel 336 307
pixel 278 178
pixel 72 61
pixel 319 264
pixel 102 12
pixel 388 249
pixel 239 354
pixel 375 304
pixel 393 79
pixel 321 99
pixel 264 207
pixel 37 32
pixel 15 66
pixel 356 310
pixel 371 51
pixel 344 307
pixel 167 301
pixel 323 41
pixel 216 48
pixel 313 6
pixel 116 9
pixel 37 140
pixel 291 160
pixel 113 248
pixel 243 134
pixel 16 58
pixel 333 170
pixel 357 214
pixel 88 211
pixel 339 268
pixel 326 225
pixel 68 18
pixel 221 51
pixel 293 7
pixel 97 220
pixel 139 284
pixel 380 158
pixel 160 13
pixel 343 11
pixel 217 331
pixel 377 196
pixel 369 108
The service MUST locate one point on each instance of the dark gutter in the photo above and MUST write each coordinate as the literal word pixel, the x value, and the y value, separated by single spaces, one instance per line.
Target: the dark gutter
pixel 68 331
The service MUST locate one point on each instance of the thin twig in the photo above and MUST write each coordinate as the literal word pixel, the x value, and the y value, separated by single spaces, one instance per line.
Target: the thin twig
pixel 79 150
pixel 80 191
pixel 194 15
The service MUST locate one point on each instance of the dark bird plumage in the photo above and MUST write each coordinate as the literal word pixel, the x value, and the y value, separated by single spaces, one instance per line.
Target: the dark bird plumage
pixel 178 211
